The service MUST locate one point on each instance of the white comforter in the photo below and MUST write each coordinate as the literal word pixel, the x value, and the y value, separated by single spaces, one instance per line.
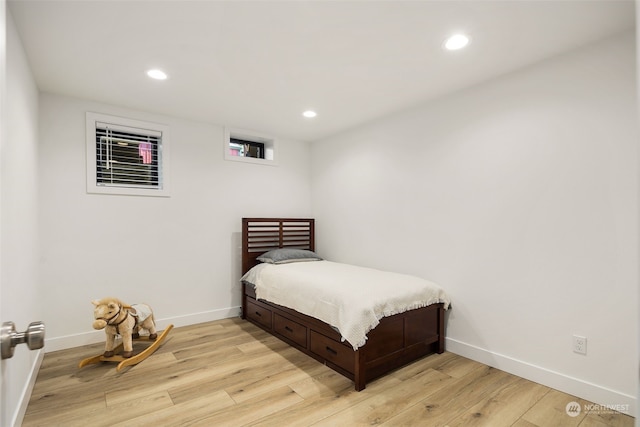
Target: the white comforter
pixel 350 298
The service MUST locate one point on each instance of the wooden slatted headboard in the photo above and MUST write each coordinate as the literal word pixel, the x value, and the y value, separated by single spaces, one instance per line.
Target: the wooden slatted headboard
pixel 260 235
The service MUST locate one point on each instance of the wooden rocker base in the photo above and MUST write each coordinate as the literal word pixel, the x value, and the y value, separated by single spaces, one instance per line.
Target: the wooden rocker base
pixel 128 361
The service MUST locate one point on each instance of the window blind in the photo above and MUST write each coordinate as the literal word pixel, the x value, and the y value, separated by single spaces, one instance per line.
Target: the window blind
pixel 127 157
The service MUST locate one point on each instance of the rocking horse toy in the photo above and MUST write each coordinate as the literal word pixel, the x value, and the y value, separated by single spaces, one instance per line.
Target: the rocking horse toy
pixel 118 318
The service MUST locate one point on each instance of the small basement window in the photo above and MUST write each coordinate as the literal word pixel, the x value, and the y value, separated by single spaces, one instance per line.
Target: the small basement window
pixel 244 148
pixel 249 147
pixel 126 156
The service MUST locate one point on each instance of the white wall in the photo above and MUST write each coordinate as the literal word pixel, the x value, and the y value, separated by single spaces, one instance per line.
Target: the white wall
pixel 638 117
pixel 18 223
pixel 179 254
pixel 519 196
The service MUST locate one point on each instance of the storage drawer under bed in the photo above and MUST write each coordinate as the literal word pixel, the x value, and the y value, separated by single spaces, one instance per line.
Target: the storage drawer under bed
pixel 333 351
pixel 290 329
pixel 259 314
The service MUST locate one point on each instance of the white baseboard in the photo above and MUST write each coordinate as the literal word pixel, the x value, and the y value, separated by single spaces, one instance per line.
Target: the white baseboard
pixel 556 380
pixel 92 337
pixel 28 388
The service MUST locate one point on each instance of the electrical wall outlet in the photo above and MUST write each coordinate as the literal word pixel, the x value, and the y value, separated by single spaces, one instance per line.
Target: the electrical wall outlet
pixel 579 344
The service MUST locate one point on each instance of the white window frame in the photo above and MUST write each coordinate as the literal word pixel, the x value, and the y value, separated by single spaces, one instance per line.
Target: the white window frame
pixel 92 119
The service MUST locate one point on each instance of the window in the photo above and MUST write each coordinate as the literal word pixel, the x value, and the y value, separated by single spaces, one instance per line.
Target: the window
pixel 126 156
pixel 249 147
pixel 244 148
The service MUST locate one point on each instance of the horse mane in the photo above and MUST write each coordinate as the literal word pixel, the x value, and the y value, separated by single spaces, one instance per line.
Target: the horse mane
pixel 108 300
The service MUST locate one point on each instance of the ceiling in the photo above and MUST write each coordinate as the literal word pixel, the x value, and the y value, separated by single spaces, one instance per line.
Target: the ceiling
pixel 257 65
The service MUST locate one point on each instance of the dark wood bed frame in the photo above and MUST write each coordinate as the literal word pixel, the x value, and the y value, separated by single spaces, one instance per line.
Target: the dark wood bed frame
pixel 395 342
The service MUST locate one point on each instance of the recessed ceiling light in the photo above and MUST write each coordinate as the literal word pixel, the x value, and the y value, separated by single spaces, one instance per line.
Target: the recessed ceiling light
pixel 309 114
pixel 157 74
pixel 455 42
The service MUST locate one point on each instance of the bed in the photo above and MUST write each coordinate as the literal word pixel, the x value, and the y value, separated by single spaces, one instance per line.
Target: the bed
pixel 396 339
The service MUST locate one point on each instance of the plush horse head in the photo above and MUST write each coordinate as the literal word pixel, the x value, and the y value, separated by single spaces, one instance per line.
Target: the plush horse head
pixel 106 310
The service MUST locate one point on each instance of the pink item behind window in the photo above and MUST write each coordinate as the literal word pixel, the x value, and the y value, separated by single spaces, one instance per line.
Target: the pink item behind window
pixel 146 152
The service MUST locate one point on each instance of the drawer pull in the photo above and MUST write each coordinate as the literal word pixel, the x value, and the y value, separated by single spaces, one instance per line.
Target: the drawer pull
pixel 258 314
pixel 332 351
pixel 288 329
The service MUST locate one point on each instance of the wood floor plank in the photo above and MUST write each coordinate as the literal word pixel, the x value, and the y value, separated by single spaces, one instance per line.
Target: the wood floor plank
pixel 383 406
pixel 552 410
pixel 186 413
pixel 231 335
pixel 287 374
pixel 222 352
pixel 264 345
pixel 249 411
pixel 524 423
pixel 185 373
pixel 608 419
pixel 454 399
pixel 458 366
pixel 120 392
pixel 434 361
pixel 63 410
pixel 504 407
pixel 131 409
pixel 65 362
pixel 232 373
pixel 312 410
pixel 327 382
pixel 240 370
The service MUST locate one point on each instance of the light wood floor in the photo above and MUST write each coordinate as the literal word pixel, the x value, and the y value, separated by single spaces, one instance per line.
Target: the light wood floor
pixel 231 373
